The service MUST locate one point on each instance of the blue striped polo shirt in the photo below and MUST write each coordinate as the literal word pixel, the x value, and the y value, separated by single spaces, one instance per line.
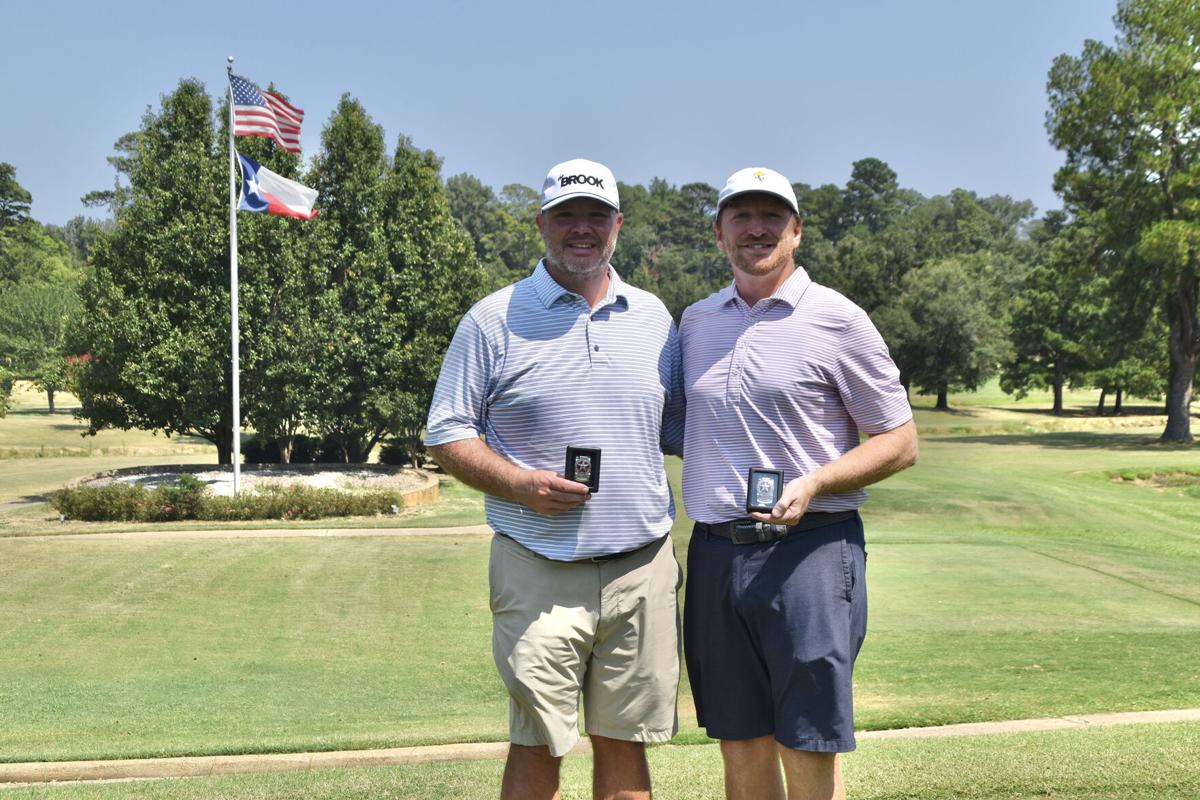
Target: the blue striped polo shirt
pixel 786 384
pixel 533 369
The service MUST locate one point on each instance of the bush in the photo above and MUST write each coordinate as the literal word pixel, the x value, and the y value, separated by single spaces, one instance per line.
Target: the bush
pixel 305 450
pixel 395 454
pixel 298 502
pixel 188 498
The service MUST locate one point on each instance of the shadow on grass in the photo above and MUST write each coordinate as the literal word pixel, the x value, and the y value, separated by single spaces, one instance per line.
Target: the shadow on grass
pixel 1089 412
pixel 954 411
pixel 1077 440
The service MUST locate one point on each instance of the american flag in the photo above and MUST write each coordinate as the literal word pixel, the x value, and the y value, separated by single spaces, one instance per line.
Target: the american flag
pixel 259 113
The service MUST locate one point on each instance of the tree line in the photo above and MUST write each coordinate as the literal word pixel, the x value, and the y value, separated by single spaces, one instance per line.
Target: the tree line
pixel 345 317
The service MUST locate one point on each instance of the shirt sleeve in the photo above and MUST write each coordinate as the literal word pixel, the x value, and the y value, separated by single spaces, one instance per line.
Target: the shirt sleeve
pixel 457 410
pixel 675 410
pixel 868 379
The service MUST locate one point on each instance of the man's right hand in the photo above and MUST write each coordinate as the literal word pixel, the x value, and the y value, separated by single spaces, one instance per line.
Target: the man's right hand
pixel 548 493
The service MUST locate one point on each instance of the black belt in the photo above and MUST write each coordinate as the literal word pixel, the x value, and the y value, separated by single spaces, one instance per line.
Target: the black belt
pixel 586 559
pixel 751 531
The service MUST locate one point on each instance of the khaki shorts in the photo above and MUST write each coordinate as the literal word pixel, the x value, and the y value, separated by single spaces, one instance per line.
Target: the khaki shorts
pixel 608 630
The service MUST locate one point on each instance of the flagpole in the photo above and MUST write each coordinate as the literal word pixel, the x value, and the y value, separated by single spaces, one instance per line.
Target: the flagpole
pixel 233 292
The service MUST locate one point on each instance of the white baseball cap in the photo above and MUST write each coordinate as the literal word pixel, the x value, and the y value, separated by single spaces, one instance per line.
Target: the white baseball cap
pixel 758 179
pixel 579 178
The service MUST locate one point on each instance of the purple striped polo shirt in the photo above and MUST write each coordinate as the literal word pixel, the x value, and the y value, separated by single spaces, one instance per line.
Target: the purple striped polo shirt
pixel 787 384
pixel 533 369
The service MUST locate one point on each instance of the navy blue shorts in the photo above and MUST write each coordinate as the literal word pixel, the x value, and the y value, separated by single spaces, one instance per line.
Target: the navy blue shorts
pixel 771 632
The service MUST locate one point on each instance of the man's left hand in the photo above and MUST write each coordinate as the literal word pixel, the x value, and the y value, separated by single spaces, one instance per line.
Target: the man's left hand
pixel 792 503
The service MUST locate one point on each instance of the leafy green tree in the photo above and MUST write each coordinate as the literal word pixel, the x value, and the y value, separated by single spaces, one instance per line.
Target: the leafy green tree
pixel 157 297
pixel 399 273
pixel 1126 341
pixel 80 235
pixel 667 246
pixel 945 333
pixel 872 197
pixel 1054 313
pixel 437 278
pixel 357 303
pixel 506 240
pixel 15 199
pixel 29 254
pixel 1124 114
pixel 34 321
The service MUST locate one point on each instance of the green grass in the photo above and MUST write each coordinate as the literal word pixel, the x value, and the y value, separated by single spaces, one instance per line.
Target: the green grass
pixel 112 649
pixel 1120 763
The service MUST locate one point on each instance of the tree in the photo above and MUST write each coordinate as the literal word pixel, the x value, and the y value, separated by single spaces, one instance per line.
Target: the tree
pixel 667 245
pixel 506 240
pixel 157 298
pixel 399 273
pixel 1054 312
pixel 356 305
pixel 80 235
pixel 14 198
pixel 29 254
pixel 1125 115
pixel 945 332
pixel 872 198
pixel 34 320
pixel 437 278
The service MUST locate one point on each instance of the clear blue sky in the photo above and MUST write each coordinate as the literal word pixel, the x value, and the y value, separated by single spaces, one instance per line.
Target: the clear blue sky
pixel 950 93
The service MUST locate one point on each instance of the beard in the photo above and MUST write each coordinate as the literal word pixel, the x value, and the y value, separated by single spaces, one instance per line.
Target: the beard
pixel 779 257
pixel 560 256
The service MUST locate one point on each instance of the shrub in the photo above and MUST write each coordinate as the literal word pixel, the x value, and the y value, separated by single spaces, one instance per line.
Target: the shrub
pixel 395 454
pixel 188 498
pixel 115 502
pixel 305 450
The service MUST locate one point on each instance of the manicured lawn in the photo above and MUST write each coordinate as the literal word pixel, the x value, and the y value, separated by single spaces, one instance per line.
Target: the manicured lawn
pixel 1123 763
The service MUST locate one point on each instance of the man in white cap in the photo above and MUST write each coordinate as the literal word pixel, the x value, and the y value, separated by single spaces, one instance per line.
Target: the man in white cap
pixel 781 376
pixel 555 371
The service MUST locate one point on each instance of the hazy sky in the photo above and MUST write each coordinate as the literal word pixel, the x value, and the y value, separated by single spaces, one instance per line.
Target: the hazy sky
pixel 950 93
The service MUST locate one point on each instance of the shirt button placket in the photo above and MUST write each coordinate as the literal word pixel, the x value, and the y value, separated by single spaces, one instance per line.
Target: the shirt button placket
pixel 738 362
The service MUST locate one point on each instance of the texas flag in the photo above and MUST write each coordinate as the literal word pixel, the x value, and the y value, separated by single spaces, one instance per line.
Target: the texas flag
pixel 265 192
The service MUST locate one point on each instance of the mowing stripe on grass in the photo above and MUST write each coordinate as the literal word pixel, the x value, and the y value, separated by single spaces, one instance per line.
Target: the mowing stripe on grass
pixel 1108 574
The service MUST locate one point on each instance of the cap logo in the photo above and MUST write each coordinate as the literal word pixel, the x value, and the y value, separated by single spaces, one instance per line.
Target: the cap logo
pixel 590 180
pixel 760 175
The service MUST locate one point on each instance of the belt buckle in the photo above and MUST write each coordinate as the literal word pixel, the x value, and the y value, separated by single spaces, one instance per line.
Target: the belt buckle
pixel 755 532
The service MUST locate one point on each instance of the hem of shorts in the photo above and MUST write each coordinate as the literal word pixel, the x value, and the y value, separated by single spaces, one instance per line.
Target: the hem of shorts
pixel 649 737
pixel 820 745
pixel 808 745
pixel 557 753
